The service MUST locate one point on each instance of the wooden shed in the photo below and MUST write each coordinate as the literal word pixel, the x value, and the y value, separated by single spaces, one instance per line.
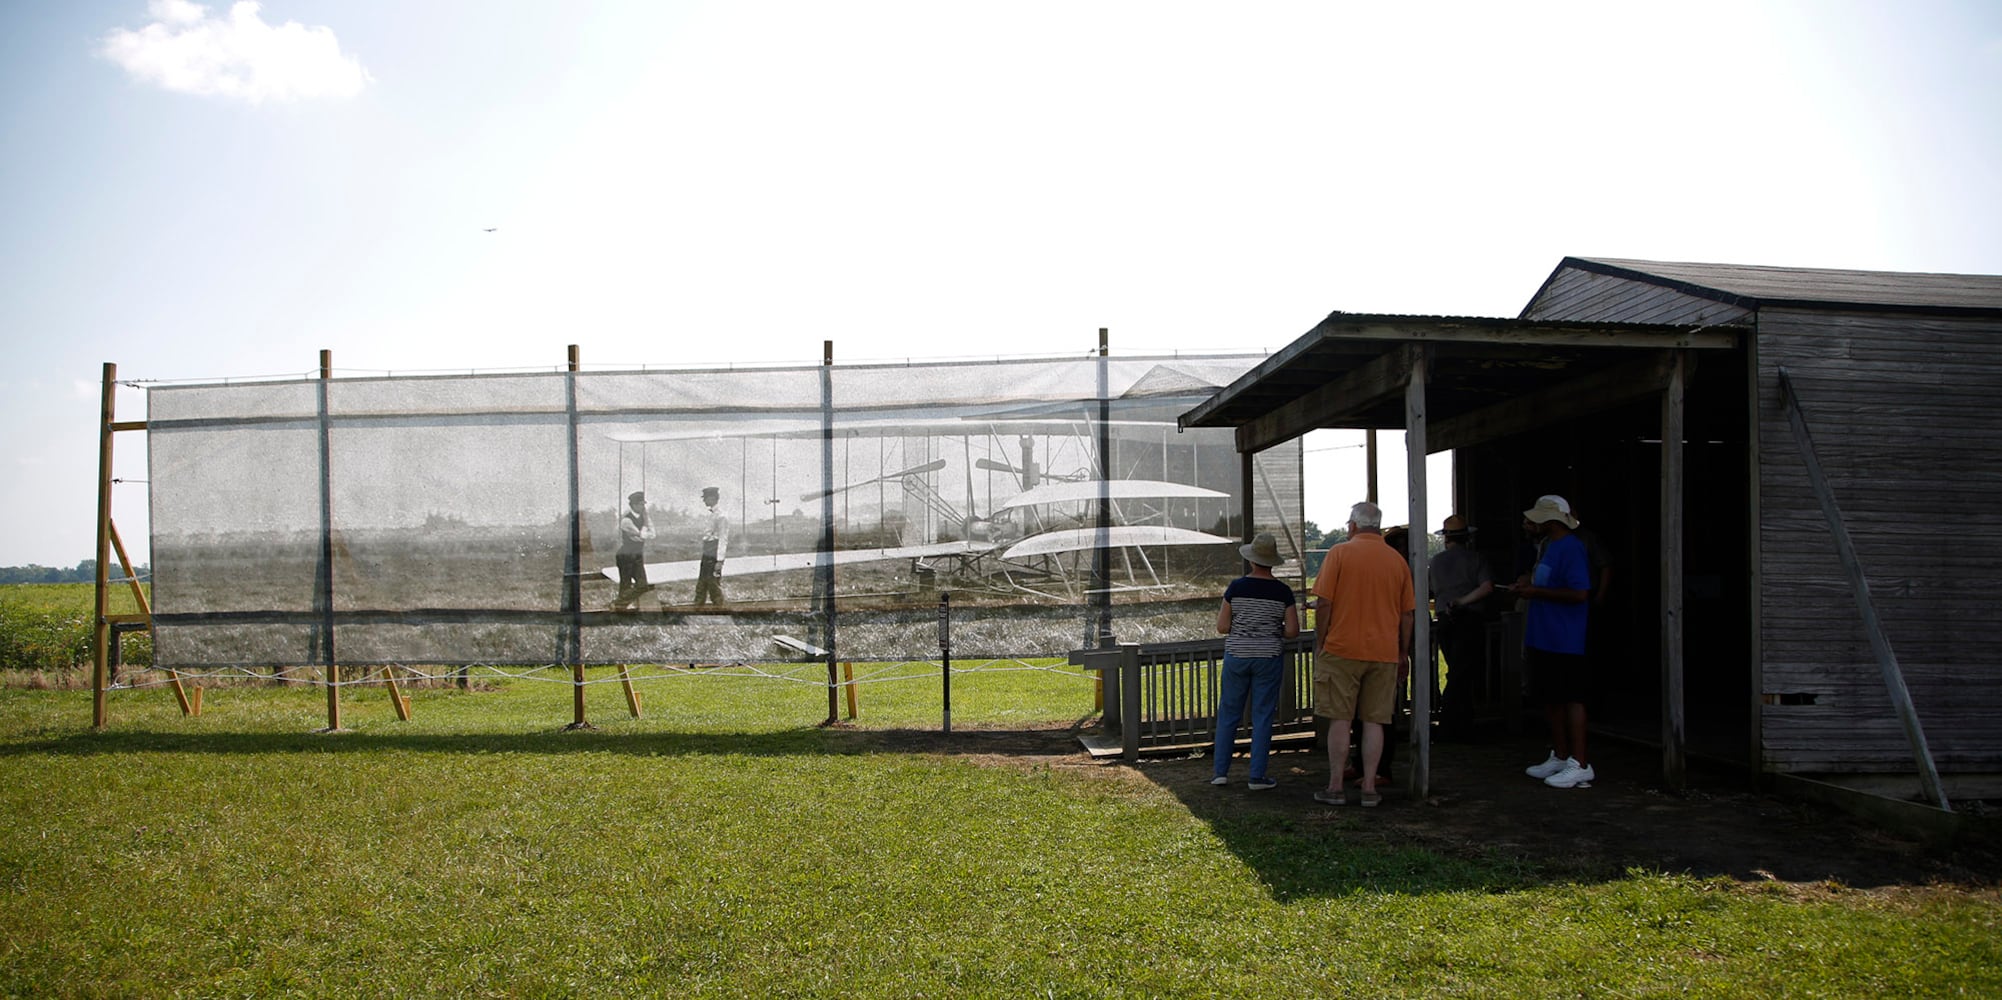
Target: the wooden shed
pixel 1795 470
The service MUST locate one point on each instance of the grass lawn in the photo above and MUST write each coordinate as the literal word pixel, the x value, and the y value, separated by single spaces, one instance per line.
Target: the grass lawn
pixel 725 846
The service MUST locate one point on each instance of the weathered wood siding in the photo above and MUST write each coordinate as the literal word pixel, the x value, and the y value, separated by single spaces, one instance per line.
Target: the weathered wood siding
pixel 1582 295
pixel 1279 503
pixel 1906 418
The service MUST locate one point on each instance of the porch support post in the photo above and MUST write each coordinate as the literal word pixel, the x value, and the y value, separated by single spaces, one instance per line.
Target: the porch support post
pixel 1674 738
pixel 1425 667
pixel 1246 472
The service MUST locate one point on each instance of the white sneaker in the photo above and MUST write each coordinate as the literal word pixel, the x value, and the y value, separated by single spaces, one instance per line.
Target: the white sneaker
pixel 1548 767
pixel 1220 780
pixel 1574 775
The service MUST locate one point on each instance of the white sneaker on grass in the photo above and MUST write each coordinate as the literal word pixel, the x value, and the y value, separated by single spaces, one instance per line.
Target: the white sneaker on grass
pixel 1574 775
pixel 1220 780
pixel 1548 767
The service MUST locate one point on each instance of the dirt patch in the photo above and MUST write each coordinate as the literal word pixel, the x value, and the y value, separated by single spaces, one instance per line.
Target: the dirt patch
pixel 1482 805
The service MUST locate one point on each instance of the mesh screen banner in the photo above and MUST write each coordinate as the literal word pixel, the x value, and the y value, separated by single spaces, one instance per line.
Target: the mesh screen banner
pixel 699 516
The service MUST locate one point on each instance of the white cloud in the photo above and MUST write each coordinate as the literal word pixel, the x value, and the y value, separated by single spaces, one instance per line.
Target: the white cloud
pixel 237 56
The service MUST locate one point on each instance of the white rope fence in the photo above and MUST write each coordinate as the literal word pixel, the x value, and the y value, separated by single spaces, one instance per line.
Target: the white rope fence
pixel 135 678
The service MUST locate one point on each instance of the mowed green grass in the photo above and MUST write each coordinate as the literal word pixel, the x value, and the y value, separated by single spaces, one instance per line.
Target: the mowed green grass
pixel 726 846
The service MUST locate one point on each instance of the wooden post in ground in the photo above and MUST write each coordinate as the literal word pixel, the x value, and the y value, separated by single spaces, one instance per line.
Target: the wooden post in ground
pixel 572 648
pixel 396 698
pixel 848 681
pixel 189 706
pixel 632 696
pixel 327 547
pixel 1129 697
pixel 100 626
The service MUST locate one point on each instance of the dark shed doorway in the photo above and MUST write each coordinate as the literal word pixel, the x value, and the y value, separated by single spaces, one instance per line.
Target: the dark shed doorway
pixel 1532 407
pixel 1608 465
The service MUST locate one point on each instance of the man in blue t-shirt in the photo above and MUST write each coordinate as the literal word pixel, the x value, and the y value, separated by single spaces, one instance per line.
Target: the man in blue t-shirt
pixel 1259 614
pixel 1554 640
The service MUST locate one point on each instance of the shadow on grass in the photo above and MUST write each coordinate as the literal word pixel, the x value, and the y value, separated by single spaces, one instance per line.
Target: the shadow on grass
pixel 1485 826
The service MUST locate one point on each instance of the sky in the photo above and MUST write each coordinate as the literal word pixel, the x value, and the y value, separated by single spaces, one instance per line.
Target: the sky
pixel 208 192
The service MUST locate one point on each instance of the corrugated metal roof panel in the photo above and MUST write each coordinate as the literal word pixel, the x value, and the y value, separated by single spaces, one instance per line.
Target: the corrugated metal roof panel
pixel 1774 286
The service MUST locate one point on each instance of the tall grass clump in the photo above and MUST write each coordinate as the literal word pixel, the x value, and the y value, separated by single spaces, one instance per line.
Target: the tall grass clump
pixel 45 633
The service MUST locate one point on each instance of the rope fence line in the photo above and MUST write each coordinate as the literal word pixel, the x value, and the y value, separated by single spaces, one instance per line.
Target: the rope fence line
pixel 135 678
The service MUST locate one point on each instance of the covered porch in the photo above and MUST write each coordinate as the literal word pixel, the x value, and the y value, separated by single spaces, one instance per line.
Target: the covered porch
pixel 1642 426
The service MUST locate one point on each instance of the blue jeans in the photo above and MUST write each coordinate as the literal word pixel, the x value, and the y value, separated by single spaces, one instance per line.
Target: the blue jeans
pixel 1258 676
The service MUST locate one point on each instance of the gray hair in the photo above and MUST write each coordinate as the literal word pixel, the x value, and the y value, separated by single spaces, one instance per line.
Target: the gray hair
pixel 1366 515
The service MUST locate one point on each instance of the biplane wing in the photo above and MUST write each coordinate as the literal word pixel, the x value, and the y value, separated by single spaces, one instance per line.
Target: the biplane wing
pixel 810 427
pixel 1115 537
pixel 684 570
pixel 1109 489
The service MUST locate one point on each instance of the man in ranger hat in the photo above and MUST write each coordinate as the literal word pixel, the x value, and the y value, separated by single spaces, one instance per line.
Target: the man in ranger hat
pixel 1554 640
pixel 1461 583
pixel 1259 614
pixel 715 544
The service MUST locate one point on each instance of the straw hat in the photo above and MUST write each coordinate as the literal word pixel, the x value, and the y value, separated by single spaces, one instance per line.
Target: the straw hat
pixel 1263 550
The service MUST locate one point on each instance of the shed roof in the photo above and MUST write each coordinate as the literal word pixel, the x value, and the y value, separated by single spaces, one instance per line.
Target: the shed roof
pixel 1753 286
pixel 1485 376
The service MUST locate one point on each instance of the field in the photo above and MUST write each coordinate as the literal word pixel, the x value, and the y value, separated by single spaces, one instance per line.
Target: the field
pixel 45 632
pixel 726 846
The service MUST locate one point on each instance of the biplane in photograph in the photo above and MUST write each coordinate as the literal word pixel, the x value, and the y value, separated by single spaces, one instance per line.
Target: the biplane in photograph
pixel 1003 502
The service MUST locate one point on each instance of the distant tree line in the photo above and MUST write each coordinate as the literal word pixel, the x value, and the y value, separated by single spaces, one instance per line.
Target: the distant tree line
pixel 85 572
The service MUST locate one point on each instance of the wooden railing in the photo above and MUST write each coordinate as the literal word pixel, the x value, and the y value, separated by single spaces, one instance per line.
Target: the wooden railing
pixel 1164 694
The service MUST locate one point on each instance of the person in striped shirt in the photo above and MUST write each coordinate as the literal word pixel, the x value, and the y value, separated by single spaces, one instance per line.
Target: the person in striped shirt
pixel 1259 614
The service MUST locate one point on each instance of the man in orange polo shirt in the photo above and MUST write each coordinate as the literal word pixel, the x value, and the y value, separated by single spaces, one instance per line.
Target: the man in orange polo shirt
pixel 1362 611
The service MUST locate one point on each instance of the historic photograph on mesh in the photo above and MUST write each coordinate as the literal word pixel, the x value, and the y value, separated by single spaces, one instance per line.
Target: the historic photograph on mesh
pixel 692 516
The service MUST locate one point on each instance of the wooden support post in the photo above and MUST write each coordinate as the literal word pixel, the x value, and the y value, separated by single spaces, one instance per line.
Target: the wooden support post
pixel 577 719
pixel 1101 556
pixel 131 579
pixel 632 696
pixel 189 707
pixel 1369 460
pixel 396 698
pixel 823 560
pixel 1104 664
pixel 100 635
pixel 1674 737
pixel 1246 503
pixel 1425 666
pixel 1880 643
pixel 1129 697
pixel 848 681
pixel 333 676
pixel 181 693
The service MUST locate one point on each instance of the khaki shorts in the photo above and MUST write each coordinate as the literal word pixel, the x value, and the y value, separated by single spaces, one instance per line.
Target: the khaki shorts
pixel 1339 680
